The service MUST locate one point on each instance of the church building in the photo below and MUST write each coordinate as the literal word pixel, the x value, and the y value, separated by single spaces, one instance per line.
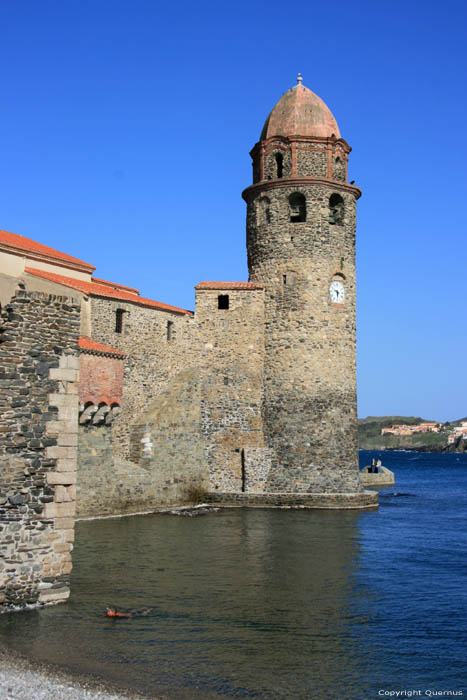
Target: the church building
pixel 113 403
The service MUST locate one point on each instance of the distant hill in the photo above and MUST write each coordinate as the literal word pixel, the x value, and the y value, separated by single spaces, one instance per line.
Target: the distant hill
pixel 370 438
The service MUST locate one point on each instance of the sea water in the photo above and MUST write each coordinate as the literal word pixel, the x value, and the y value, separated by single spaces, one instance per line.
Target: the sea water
pixel 264 603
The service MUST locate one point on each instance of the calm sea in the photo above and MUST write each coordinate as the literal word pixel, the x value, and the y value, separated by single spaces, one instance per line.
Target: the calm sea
pixel 274 603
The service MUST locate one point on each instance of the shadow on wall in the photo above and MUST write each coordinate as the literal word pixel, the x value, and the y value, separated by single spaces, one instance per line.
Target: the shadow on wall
pixel 166 454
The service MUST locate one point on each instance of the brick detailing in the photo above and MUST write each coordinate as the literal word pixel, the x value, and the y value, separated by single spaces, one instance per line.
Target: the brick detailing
pixel 101 378
pixel 38 442
pixel 301 157
pixel 274 148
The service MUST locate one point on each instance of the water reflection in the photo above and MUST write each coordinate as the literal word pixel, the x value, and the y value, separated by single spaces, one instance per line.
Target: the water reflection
pixel 247 603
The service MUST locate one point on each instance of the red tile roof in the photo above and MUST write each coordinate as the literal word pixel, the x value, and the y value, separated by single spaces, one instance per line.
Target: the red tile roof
pixel 85 343
pixel 229 285
pixel 115 285
pixel 13 242
pixel 101 290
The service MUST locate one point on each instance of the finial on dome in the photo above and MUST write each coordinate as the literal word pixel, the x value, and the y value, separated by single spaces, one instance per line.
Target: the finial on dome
pixel 299 79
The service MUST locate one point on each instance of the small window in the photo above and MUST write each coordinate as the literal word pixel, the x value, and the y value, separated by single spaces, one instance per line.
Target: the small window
pixel 279 164
pixel 119 320
pixel 170 331
pixel 226 381
pixel 336 209
pixel 223 301
pixel 284 279
pixel 297 207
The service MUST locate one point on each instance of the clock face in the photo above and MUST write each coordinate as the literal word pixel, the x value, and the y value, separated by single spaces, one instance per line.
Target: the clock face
pixel 336 292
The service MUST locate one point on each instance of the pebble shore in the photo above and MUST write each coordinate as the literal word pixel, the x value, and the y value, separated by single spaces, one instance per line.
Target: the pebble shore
pixel 21 680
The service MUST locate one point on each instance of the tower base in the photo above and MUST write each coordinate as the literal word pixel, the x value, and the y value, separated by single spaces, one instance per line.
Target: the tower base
pixel 327 501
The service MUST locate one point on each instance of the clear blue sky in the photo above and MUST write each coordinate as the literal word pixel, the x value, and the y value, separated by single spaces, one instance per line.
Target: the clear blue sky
pixel 126 128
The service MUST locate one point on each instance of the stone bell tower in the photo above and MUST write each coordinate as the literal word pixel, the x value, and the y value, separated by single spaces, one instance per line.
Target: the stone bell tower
pixel 301 247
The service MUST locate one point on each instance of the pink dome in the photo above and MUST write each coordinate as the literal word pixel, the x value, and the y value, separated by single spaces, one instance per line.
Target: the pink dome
pixel 300 113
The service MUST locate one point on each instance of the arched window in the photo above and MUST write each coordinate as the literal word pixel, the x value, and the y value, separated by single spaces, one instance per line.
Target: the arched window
pixel 279 164
pixel 297 207
pixel 336 209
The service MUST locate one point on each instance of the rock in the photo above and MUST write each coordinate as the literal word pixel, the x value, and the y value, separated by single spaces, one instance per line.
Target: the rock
pixel 17 500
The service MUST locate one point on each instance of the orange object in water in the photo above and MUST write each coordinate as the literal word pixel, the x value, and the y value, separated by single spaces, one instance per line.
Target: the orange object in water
pixel 112 612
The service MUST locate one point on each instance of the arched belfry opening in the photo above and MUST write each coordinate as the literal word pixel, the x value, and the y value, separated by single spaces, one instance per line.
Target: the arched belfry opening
pixel 279 165
pixel 297 207
pixel 336 209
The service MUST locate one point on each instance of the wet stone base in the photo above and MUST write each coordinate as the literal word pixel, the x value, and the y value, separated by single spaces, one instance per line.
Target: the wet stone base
pixel 47 594
pixel 363 499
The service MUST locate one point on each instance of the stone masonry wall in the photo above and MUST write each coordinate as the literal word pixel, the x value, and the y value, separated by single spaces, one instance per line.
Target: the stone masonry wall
pixel 232 356
pixel 167 459
pixel 256 468
pixel 328 501
pixel 301 157
pixel 38 441
pixel 151 455
pixel 270 162
pixel 310 389
pixel 152 358
pixel 312 161
pixel 190 404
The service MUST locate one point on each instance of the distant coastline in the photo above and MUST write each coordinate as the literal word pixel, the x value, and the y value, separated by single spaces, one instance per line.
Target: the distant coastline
pixel 370 435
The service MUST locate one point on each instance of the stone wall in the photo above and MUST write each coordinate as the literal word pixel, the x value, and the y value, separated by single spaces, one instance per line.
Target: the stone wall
pixel 109 484
pixel 309 409
pixel 301 157
pixel 190 404
pixel 167 463
pixel 231 360
pixel 270 162
pixel 38 441
pixel 153 355
pixel 256 468
pixel 312 161
pixel 324 501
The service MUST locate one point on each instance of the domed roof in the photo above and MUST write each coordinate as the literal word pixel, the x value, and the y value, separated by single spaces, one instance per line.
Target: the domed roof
pixel 300 113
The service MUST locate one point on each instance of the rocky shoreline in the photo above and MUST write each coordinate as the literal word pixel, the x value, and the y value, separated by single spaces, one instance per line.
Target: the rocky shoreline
pixel 441 449
pixel 21 679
